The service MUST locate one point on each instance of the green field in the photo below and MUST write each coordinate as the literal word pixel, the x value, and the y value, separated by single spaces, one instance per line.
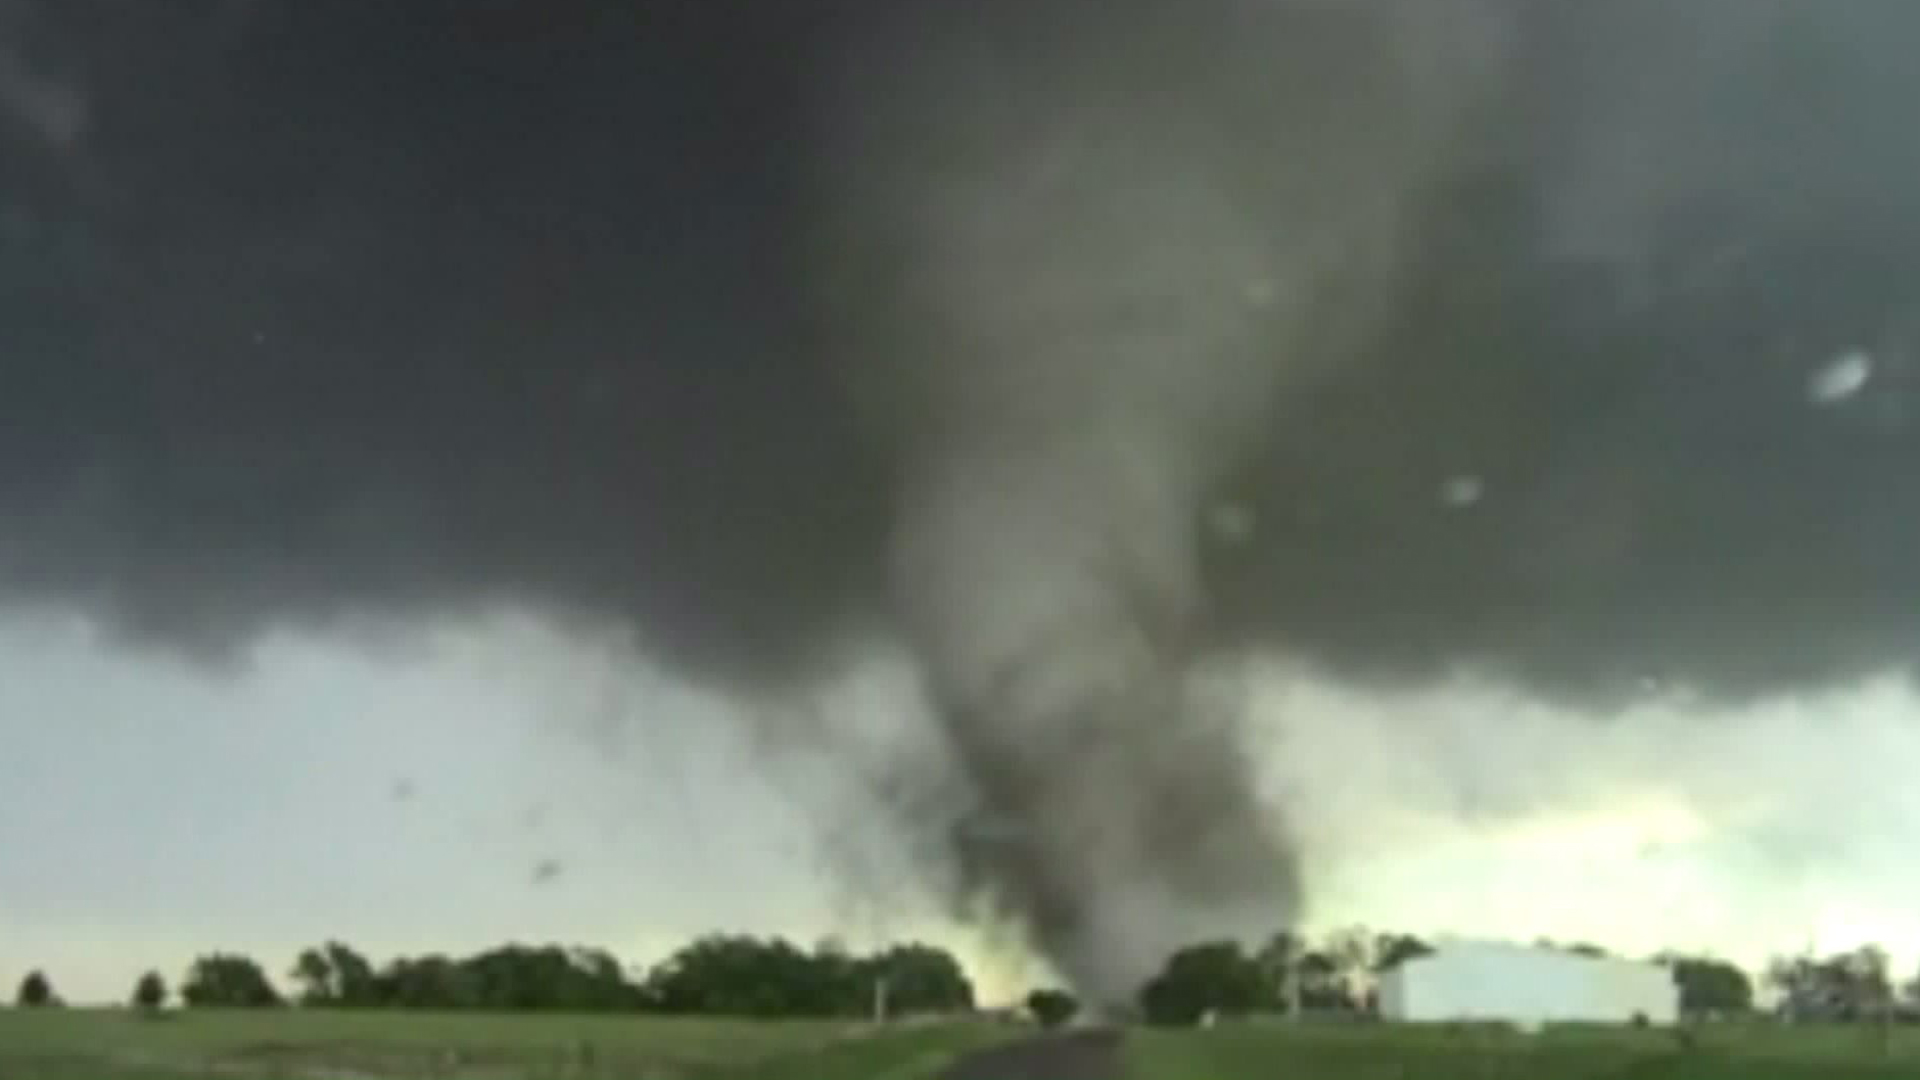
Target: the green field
pixel 80 1044
pixel 1275 1051
pixel 316 1045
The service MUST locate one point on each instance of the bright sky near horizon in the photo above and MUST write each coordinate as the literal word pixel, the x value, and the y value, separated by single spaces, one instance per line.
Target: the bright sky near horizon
pixel 402 799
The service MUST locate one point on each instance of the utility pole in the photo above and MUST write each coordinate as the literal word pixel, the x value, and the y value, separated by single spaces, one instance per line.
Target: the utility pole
pixel 880 999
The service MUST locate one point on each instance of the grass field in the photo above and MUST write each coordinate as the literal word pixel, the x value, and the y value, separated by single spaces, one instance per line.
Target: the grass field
pixel 80 1044
pixel 309 1045
pixel 1274 1051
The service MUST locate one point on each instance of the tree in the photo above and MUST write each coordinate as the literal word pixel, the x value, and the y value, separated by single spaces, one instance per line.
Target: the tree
pixel 1575 948
pixel 150 993
pixel 1846 986
pixel 1322 985
pixel 428 982
pixel 544 977
pixel 852 982
pixel 335 975
pixel 1709 985
pixel 1392 950
pixel 314 976
pixel 753 977
pixel 354 981
pixel 918 979
pixel 1798 982
pixel 1911 992
pixel 1052 1008
pixel 1352 952
pixel 518 977
pixel 224 980
pixel 1279 961
pixel 36 992
pixel 1202 979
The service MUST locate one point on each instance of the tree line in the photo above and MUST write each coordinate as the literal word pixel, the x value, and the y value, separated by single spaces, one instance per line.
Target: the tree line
pixel 717 975
pixel 737 975
pixel 1337 975
pixel 1290 974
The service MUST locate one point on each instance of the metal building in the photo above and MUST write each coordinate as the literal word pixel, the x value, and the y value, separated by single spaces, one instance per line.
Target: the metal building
pixel 1527 986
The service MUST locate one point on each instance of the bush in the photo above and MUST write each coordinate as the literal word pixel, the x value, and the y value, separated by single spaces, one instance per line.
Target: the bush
pixel 1202 981
pixel 228 981
pixel 36 992
pixel 1052 1008
pixel 150 993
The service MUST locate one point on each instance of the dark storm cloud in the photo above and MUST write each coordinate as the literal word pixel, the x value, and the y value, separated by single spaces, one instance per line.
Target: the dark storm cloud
pixel 369 305
pixel 1570 339
pixel 413 306
pixel 1672 344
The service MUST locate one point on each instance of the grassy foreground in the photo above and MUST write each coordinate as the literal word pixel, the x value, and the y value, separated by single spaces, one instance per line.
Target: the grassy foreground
pixel 1278 1051
pixel 83 1044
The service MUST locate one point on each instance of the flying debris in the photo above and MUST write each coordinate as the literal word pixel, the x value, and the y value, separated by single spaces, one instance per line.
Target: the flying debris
pixel 1262 292
pixel 1461 492
pixel 547 871
pixel 1841 378
pixel 1233 524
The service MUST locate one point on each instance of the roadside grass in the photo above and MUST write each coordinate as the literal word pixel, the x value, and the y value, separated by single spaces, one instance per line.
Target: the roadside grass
pixel 1279 1051
pixel 302 1044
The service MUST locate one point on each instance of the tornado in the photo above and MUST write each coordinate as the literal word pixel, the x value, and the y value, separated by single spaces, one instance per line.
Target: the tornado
pixel 1094 253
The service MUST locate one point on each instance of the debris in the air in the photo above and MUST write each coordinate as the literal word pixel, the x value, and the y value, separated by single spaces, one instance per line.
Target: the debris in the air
pixel 1231 523
pixel 1460 492
pixel 1841 378
pixel 547 871
pixel 1262 292
pixel 403 790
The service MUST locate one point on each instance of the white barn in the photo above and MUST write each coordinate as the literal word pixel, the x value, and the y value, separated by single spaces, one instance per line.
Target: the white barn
pixel 1527 986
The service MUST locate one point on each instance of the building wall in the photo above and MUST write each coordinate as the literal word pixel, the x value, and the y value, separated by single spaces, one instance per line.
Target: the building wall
pixel 1526 986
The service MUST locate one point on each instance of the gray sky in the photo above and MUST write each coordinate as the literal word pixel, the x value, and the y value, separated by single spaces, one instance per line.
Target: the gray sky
pixel 402 800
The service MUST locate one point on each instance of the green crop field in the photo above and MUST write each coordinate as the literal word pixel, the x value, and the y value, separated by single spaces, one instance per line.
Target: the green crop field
pixel 81 1044
pixel 1277 1051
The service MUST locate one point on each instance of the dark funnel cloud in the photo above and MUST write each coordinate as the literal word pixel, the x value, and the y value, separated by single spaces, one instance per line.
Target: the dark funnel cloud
pixel 1072 343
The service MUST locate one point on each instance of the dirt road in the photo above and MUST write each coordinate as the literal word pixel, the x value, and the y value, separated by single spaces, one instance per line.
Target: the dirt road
pixel 1079 1055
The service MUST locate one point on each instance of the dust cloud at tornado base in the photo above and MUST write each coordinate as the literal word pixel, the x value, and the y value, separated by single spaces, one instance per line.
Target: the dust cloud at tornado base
pixel 1069 344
